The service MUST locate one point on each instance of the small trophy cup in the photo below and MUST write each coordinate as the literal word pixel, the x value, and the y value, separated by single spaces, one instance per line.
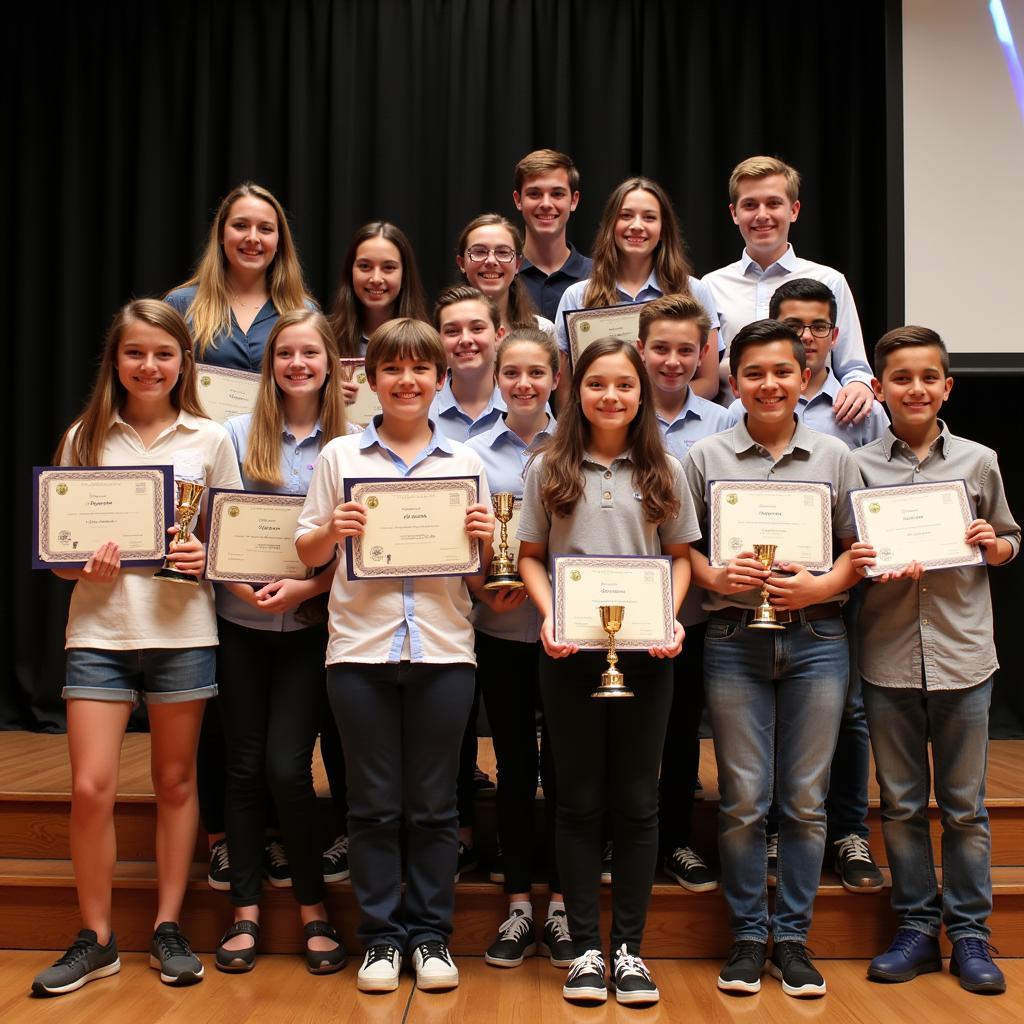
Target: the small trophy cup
pixel 613 683
pixel 764 617
pixel 503 570
pixel 189 493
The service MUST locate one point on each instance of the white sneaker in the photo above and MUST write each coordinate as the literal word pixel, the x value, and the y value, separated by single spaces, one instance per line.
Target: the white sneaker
pixel 381 968
pixel 434 966
pixel 633 983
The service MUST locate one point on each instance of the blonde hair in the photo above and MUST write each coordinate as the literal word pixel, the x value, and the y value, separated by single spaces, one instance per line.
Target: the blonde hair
pixel 263 452
pixel 209 313
pixel 764 167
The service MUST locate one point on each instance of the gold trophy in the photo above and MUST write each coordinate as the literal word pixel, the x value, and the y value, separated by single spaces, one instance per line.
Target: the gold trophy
pixel 503 569
pixel 613 683
pixel 189 495
pixel 764 617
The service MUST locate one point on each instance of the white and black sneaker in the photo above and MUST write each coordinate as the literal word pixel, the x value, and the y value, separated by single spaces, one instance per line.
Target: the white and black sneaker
pixel 557 941
pixel 275 865
pixel 219 874
pixel 742 971
pixel 434 966
pixel 688 868
pixel 381 968
pixel 633 983
pixel 335 860
pixel 85 960
pixel 585 983
pixel 791 964
pixel 514 943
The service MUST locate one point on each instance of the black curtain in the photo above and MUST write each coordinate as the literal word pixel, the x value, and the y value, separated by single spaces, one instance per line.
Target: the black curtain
pixel 127 121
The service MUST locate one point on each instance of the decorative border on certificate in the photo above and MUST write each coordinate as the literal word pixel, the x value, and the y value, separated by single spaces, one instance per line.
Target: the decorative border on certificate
pixel 588 322
pixel 50 482
pixel 224 502
pixel 366 405
pixel 365 491
pixel 207 374
pixel 863 506
pixel 729 491
pixel 567 570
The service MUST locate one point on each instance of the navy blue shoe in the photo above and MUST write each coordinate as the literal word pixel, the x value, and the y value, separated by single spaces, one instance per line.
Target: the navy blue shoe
pixel 972 964
pixel 911 953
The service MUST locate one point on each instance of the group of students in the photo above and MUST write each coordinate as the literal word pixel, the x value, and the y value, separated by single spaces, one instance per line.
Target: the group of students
pixel 642 429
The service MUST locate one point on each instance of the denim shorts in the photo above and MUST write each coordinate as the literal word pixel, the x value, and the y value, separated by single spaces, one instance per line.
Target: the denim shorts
pixel 155 675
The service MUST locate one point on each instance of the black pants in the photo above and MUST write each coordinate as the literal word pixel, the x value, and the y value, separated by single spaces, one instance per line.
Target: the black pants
pixel 466 784
pixel 507 674
pixel 680 760
pixel 271 695
pixel 607 754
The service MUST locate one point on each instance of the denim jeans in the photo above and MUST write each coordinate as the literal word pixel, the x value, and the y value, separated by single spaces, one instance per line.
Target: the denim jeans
pixel 956 721
pixel 776 699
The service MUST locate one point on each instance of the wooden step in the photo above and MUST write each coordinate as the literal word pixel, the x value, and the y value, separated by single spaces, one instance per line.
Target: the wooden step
pixel 38 911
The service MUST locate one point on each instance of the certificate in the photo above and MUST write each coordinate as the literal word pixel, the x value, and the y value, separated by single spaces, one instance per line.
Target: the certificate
pixel 922 523
pixel 224 392
pixel 580 584
pixel 366 405
pixel 252 537
pixel 78 509
pixel 414 527
pixel 795 515
pixel 582 326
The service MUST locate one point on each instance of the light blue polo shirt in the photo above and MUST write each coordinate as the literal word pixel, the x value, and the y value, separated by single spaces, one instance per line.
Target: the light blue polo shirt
pixel 455 423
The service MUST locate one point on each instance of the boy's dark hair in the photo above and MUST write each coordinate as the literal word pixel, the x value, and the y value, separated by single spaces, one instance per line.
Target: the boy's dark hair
pixel 675 307
pixel 909 336
pixel 762 332
pixel 803 289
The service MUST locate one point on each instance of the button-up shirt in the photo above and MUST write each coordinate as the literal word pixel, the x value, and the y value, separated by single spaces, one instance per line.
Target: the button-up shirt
pixel 455 423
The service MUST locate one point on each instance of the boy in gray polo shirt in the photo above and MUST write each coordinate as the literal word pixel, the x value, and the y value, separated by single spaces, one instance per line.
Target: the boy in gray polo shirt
pixel 928 673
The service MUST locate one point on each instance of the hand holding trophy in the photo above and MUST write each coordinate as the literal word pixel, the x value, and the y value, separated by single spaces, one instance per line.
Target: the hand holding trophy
pixel 764 617
pixel 189 495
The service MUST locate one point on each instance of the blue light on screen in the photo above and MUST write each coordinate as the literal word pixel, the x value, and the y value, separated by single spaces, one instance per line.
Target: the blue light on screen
pixel 1005 37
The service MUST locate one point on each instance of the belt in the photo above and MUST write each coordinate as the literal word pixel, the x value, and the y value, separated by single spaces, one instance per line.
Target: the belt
pixel 828 610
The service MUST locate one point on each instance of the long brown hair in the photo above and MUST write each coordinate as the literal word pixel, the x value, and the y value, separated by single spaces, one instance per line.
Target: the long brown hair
pixel 671 267
pixel 562 481
pixel 263 453
pixel 109 394
pixel 210 311
pixel 520 309
pixel 346 317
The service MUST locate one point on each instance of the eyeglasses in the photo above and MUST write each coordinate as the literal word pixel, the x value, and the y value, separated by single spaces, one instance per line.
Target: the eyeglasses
pixel 502 253
pixel 819 329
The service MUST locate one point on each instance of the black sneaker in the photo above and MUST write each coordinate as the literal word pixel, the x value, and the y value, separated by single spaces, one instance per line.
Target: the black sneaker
pixel 482 782
pixel 335 860
pixel 690 871
pixel 467 860
pixel 557 941
pixel 742 970
pixel 514 943
pixel 275 865
pixel 855 865
pixel 791 964
pixel 633 983
pixel 606 864
pixel 172 956
pixel 772 842
pixel 585 983
pixel 85 960
pixel 218 876
pixel 496 873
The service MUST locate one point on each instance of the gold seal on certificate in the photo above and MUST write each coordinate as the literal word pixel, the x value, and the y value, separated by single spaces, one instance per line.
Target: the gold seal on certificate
pixel 613 682
pixel 366 405
pixel 642 586
pixel 794 515
pixel 252 537
pixel 414 527
pixel 224 392
pixel 503 564
pixel 923 523
pixel 190 494
pixel 78 509
pixel 583 326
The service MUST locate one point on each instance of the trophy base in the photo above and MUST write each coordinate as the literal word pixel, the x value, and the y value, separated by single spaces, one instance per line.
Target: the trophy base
pixel 504 581
pixel 613 684
pixel 175 576
pixel 764 624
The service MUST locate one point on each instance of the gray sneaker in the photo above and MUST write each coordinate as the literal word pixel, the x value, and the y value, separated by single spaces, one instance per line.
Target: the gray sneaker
pixel 172 956
pixel 85 960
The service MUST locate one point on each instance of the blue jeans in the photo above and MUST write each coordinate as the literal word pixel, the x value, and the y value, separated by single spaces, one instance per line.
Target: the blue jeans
pixel 956 721
pixel 776 699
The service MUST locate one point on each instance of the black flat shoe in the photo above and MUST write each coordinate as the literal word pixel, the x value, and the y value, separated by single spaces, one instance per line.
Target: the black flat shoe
pixel 324 961
pixel 237 961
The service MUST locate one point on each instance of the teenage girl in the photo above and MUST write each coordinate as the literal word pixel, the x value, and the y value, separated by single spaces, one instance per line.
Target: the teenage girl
pixel 507 629
pixel 134 638
pixel 639 255
pixel 400 667
pixel 272 683
pixel 604 485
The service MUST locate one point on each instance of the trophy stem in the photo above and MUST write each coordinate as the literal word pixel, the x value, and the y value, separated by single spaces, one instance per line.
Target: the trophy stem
pixel 613 683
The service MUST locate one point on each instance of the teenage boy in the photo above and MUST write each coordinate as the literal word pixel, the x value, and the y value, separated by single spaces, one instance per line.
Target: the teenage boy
pixel 928 676
pixel 547 190
pixel 775 696
pixel 764 201
pixel 673 342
